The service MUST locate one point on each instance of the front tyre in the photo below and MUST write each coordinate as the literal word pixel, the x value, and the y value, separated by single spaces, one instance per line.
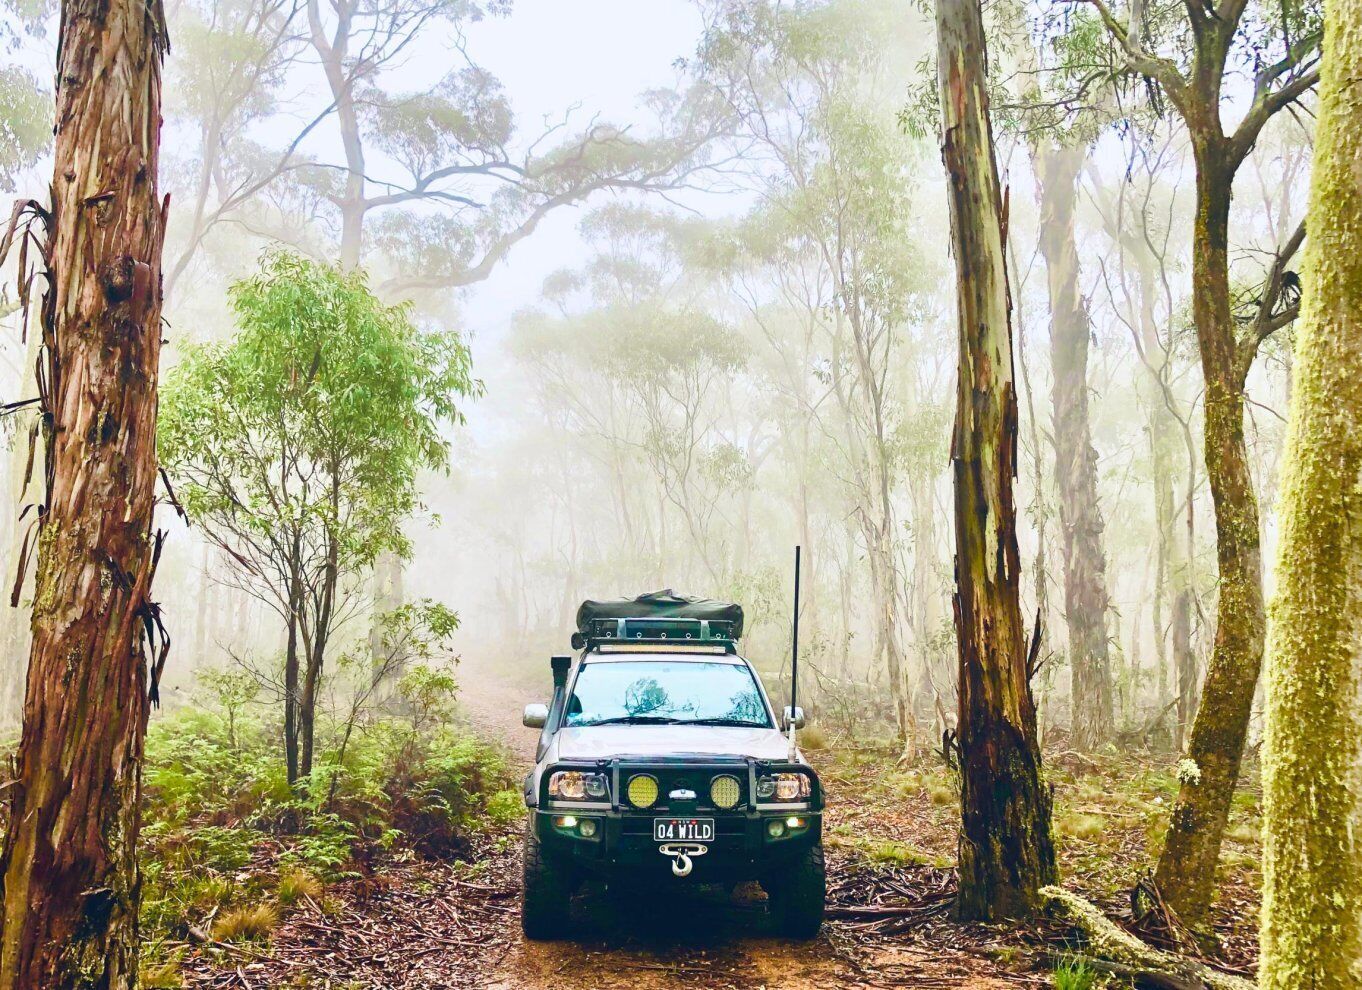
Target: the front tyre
pixel 796 895
pixel 546 895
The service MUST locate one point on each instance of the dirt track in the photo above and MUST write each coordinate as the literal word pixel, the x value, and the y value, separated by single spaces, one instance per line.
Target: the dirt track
pixel 422 925
pixel 708 940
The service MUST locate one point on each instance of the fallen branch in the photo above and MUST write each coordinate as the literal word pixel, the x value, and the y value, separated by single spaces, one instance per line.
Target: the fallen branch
pixel 871 911
pixel 1111 944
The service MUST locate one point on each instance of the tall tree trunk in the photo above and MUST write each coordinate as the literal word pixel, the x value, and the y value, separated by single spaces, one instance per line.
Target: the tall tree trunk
pixel 1006 849
pixel 1312 766
pixel 71 885
pixel 1163 458
pixel 292 695
pixel 1186 869
pixel 1080 518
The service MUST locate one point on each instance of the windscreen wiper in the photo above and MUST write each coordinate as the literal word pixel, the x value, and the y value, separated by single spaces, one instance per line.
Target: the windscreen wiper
pixel 742 723
pixel 633 720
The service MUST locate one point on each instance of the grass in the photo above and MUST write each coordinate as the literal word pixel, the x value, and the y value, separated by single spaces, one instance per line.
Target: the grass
pixel 160 976
pixel 296 884
pixel 246 924
pixel 1079 825
pixel 1072 974
pixel 892 852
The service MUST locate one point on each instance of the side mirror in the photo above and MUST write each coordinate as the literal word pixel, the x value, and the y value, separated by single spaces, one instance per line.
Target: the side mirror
pixel 787 716
pixel 535 716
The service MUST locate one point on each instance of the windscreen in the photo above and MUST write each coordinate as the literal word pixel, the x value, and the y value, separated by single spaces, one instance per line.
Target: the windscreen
pixel 666 692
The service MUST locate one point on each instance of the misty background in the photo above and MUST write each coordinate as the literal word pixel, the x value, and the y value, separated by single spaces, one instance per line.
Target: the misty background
pixel 699 251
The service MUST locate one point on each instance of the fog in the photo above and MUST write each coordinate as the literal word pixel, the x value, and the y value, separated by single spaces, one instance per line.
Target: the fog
pixel 699 253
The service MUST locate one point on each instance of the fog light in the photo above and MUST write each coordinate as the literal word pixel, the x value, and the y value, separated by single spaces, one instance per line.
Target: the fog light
pixel 642 790
pixel 775 828
pixel 587 828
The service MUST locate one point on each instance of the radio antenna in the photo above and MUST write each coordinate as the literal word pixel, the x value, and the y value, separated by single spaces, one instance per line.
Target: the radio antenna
pixel 794 660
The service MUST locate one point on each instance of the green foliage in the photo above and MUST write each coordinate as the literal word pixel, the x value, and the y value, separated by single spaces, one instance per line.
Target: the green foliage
pixel 225 838
pixel 316 418
pixel 25 122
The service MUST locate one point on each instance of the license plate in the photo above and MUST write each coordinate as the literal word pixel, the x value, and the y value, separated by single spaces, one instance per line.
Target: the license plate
pixel 683 829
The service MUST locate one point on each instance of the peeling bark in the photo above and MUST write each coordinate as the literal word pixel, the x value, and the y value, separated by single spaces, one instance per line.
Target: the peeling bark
pixel 1006 849
pixel 70 879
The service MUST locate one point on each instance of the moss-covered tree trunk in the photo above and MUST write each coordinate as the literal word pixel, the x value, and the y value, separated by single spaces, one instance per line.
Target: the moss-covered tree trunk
pixel 70 878
pixel 1006 851
pixel 1312 766
pixel 1186 868
pixel 1080 517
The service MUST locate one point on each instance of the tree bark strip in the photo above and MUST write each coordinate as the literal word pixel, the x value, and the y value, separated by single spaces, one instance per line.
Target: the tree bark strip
pixel 69 866
pixel 1006 850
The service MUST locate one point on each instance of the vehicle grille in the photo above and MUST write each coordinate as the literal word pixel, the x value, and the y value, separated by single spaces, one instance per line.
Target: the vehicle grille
pixel 691 779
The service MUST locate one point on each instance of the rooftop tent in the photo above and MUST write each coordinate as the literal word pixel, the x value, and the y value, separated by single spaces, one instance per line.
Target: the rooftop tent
pixel 659 605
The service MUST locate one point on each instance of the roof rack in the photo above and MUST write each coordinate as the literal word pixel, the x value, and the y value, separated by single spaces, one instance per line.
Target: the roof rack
pixel 672 632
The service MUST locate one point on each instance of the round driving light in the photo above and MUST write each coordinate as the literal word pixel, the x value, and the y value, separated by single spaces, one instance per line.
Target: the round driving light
pixel 775 828
pixel 642 790
pixel 587 827
pixel 725 792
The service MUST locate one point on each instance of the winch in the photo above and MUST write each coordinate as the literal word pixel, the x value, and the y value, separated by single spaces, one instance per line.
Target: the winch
pixel 681 854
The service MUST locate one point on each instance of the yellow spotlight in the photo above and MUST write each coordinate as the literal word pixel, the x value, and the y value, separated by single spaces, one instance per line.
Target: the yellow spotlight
pixel 642 790
pixel 725 792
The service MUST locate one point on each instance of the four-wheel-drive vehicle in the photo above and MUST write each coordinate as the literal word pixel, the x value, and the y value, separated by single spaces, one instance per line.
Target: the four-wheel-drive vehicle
pixel 660 760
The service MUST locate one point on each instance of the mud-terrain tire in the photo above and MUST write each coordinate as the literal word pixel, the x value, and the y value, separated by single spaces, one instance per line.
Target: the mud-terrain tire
pixel 796 895
pixel 546 897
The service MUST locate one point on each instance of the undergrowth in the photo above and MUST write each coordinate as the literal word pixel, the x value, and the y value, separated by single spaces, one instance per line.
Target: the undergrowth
pixel 228 847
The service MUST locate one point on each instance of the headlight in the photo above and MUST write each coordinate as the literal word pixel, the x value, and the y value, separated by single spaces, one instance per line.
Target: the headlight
pixel 725 792
pixel 784 787
pixel 642 790
pixel 574 785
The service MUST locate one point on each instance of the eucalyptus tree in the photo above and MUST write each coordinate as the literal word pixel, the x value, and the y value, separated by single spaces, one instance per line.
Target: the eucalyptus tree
pixel 69 879
pixel 1064 107
pixel 456 146
pixel 1147 298
pixel 1006 848
pixel 229 76
pixel 295 449
pixel 1312 765
pixel 811 86
pixel 1188 55
pixel 646 376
